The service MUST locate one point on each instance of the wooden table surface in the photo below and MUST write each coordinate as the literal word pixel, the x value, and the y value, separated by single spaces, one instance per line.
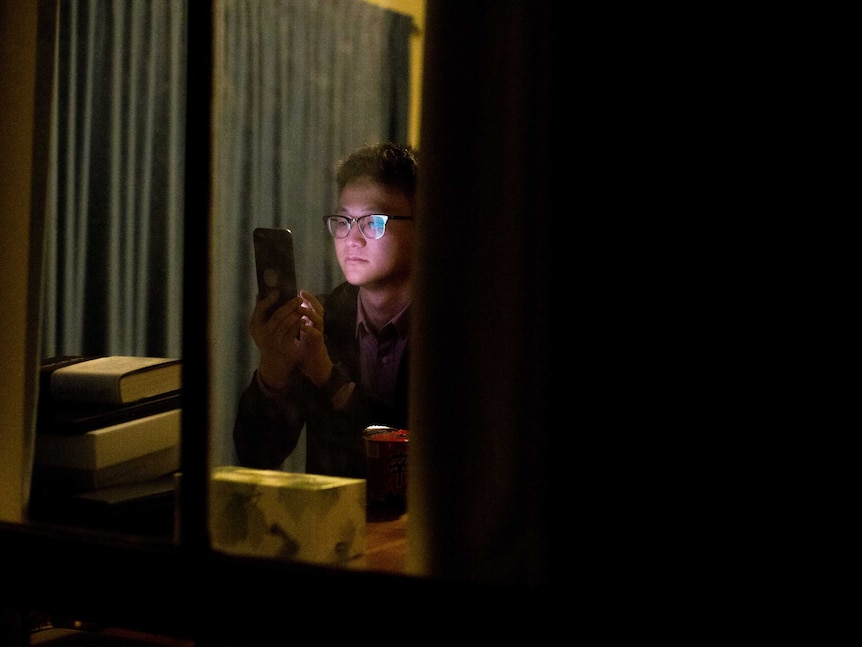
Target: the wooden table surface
pixel 385 543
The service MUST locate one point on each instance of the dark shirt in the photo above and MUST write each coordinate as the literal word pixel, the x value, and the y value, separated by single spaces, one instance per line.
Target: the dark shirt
pixel 267 428
pixel 380 354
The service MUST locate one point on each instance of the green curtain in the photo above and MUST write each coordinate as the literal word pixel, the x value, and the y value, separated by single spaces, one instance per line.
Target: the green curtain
pixel 114 220
pixel 299 83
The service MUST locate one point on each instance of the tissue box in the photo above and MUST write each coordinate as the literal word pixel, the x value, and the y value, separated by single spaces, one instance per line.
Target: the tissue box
pixel 305 517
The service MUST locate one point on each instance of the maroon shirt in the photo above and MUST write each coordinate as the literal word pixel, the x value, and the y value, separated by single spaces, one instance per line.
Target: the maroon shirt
pixel 380 356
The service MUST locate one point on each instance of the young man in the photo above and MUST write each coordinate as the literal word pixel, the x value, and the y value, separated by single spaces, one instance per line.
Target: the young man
pixel 342 367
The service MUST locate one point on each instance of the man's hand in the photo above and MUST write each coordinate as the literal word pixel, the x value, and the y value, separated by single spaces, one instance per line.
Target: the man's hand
pixel 312 355
pixel 277 340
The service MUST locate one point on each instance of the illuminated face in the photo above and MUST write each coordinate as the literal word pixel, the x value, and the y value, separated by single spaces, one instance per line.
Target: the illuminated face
pixel 367 262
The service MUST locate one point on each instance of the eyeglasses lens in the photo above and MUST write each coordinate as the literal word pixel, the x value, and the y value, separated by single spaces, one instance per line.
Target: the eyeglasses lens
pixel 373 226
pixel 338 227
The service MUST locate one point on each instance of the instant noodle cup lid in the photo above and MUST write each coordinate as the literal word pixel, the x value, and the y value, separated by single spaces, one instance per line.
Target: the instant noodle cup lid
pixel 382 433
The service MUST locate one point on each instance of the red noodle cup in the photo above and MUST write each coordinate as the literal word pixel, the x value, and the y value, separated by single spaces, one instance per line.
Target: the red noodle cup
pixel 386 454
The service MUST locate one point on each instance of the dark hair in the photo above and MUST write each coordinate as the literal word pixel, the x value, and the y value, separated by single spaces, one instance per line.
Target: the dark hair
pixel 392 165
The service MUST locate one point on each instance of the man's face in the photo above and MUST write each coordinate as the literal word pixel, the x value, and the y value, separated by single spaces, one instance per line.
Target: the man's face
pixel 368 262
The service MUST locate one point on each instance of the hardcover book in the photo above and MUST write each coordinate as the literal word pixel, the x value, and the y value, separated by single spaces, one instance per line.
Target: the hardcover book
pixel 145 508
pixel 110 445
pixel 128 452
pixel 52 481
pixel 73 418
pixel 114 379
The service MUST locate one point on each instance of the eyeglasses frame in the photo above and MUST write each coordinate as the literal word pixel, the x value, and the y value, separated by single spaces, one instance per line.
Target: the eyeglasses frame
pixel 351 221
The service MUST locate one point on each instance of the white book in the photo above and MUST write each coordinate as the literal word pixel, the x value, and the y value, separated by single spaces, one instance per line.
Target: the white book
pixel 115 379
pixel 112 445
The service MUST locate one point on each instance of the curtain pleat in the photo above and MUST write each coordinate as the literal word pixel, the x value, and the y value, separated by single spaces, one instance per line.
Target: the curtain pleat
pixel 115 233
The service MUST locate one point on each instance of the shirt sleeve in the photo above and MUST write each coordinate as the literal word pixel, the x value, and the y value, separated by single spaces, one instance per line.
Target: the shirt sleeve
pixel 267 429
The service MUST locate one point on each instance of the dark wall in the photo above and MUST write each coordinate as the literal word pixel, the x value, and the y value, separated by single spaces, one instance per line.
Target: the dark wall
pixel 482 373
pixel 623 215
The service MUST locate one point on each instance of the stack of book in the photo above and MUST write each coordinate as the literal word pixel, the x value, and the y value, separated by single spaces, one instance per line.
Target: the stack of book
pixel 106 425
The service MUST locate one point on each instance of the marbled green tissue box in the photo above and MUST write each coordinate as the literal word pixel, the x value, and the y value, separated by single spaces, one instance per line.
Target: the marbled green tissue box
pixel 305 517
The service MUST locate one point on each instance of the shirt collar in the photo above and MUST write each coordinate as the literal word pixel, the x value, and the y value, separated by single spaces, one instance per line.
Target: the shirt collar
pixel 401 321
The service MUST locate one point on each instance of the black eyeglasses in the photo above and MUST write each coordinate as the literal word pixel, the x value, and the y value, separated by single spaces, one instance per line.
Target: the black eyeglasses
pixel 372 226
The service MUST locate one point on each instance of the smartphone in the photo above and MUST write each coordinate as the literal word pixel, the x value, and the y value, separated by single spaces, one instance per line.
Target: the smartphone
pixel 276 269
